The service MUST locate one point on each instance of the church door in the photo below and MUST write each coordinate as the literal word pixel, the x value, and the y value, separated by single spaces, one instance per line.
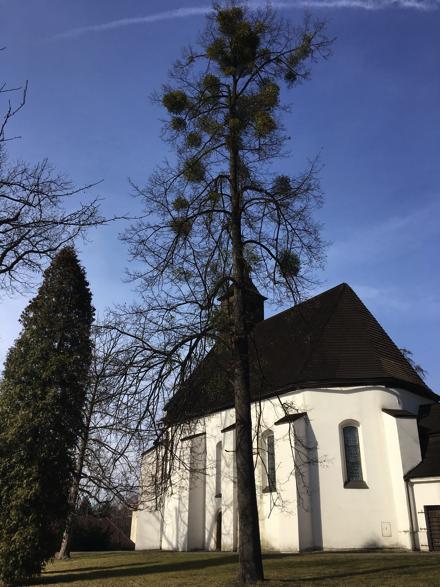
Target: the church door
pixel 432 513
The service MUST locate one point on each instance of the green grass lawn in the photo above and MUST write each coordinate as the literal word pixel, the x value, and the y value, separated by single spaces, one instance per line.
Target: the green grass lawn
pixel 168 569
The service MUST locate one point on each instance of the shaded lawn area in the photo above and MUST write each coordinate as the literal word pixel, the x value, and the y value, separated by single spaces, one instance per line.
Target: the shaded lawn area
pixel 168 569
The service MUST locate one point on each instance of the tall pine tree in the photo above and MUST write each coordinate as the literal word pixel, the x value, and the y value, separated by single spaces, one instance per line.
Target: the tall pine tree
pixel 41 399
pixel 220 209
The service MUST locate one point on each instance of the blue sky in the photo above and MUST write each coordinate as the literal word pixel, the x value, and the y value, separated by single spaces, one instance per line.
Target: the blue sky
pixel 372 111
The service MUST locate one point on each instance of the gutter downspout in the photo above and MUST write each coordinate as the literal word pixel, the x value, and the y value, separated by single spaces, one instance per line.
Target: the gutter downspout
pixel 411 518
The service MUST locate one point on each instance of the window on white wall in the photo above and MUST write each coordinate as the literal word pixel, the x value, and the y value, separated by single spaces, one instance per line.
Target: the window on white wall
pixel 269 473
pixel 218 469
pixel 354 478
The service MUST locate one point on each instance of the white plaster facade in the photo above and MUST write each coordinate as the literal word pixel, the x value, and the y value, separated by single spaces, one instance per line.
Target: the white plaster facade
pixel 423 493
pixel 311 508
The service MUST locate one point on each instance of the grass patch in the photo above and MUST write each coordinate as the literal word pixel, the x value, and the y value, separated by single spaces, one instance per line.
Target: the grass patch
pixel 169 569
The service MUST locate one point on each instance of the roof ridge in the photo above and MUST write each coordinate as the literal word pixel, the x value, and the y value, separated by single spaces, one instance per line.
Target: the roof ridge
pixel 298 305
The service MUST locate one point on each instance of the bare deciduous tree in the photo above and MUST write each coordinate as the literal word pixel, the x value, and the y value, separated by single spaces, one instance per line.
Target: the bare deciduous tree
pixel 113 435
pixel 38 214
pixel 219 213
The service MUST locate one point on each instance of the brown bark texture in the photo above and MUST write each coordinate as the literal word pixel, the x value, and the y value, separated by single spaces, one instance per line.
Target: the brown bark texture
pixel 249 546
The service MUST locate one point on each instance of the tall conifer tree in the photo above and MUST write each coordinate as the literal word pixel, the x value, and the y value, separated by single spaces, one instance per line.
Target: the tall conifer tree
pixel 41 400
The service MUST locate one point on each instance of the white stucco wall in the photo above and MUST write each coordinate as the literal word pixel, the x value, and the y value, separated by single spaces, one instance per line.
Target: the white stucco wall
pixel 403 450
pixel 146 522
pixel 175 513
pixel 358 518
pixel 227 503
pixel 196 494
pixel 146 529
pixel 423 492
pixel 311 508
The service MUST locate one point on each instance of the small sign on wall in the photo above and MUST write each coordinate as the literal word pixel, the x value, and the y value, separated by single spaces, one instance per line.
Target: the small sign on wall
pixel 386 529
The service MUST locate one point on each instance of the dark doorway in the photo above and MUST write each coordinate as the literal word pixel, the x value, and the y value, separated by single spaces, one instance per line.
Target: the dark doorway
pixel 432 514
pixel 218 531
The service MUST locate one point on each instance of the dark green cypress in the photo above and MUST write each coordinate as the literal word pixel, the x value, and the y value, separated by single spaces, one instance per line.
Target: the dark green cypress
pixel 41 399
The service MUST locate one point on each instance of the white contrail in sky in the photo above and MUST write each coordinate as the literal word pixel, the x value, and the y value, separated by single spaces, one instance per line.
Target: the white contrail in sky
pixel 421 5
pixel 124 22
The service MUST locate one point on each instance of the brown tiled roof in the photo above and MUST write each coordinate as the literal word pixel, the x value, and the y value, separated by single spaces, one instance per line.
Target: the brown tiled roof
pixel 329 340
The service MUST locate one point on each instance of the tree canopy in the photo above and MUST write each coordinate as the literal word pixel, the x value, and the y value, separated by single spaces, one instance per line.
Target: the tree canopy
pixel 41 398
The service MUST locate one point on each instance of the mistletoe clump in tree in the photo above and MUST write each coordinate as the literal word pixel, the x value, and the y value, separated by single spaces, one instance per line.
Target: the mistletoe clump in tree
pixel 41 399
pixel 221 212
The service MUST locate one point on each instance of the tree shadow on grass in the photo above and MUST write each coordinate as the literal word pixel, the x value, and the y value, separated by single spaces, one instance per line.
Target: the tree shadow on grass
pixel 93 573
pixel 147 568
pixel 97 566
pixel 191 562
pixel 351 574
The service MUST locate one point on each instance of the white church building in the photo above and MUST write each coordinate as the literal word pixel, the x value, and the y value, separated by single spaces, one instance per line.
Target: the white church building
pixel 347 441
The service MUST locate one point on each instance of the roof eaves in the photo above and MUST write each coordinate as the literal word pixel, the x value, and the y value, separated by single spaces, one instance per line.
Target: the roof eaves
pixel 288 418
pixel 228 428
pixel 399 413
pixel 191 436
pixel 421 471
pixel 155 445
pixel 339 382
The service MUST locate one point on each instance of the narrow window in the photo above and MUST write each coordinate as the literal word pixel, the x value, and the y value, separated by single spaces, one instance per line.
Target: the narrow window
pixel 218 469
pixel 353 464
pixel 269 462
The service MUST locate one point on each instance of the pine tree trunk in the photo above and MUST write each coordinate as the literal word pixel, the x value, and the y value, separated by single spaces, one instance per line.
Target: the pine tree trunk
pixel 249 546
pixel 64 552
pixel 251 565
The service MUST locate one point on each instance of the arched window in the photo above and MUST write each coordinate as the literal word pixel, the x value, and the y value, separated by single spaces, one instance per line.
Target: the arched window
pixel 269 473
pixel 218 531
pixel 352 454
pixel 218 469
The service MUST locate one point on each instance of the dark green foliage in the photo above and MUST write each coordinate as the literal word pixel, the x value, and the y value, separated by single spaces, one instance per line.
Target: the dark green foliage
pixel 214 196
pixel 193 170
pixel 269 95
pixel 304 51
pixel 193 140
pixel 209 125
pixel 282 185
pixel 290 76
pixel 264 124
pixel 180 203
pixel 229 20
pixel 211 83
pixel 181 227
pixel 178 123
pixel 289 264
pixel 41 399
pixel 175 102
pixel 236 49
